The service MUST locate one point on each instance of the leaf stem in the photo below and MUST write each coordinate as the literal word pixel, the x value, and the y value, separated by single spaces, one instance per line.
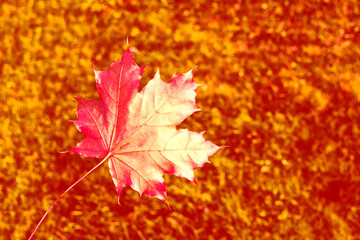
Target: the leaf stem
pixel 58 199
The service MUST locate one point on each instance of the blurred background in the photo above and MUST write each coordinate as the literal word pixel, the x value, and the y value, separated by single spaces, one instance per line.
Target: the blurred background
pixel 281 89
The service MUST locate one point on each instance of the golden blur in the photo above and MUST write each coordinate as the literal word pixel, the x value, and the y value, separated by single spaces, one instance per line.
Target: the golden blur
pixel 281 89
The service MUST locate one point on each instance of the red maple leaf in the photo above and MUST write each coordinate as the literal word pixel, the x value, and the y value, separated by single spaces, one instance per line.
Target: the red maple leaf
pixel 136 131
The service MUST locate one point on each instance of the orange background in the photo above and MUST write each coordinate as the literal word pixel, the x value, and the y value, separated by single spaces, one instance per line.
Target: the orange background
pixel 281 89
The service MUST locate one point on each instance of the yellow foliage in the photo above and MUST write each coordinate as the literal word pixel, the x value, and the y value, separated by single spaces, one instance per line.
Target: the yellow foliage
pixel 281 90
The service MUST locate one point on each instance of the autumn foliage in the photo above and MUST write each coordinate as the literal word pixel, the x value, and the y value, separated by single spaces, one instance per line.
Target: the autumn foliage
pixel 136 131
pixel 280 88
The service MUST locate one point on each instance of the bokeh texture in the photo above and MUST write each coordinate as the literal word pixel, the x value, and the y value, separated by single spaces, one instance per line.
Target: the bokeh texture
pixel 281 90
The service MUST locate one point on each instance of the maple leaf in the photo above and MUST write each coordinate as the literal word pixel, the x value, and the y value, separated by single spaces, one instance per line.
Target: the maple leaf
pixel 137 132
